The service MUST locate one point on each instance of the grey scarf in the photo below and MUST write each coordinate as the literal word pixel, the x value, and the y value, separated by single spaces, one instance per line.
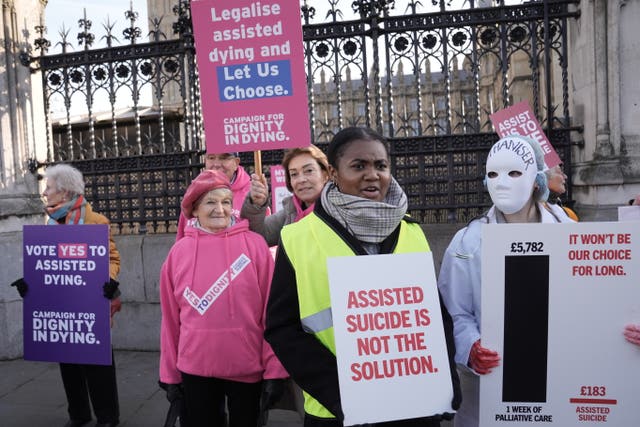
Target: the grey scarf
pixel 369 221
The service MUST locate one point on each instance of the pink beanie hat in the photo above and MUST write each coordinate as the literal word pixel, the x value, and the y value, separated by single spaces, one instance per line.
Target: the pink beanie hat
pixel 207 180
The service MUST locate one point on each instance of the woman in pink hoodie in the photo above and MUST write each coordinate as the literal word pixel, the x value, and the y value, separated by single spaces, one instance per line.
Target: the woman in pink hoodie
pixel 214 286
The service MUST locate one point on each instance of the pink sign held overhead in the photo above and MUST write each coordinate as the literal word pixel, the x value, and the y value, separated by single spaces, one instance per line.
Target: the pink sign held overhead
pixel 252 79
pixel 520 120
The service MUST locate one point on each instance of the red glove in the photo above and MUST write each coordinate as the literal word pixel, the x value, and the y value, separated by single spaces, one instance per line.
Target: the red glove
pixel 632 334
pixel 482 359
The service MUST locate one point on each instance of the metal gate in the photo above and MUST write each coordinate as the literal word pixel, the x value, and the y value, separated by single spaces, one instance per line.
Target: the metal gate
pixel 425 74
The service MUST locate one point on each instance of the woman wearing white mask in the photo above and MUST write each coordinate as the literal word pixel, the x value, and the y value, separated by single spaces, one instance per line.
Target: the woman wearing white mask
pixel 518 187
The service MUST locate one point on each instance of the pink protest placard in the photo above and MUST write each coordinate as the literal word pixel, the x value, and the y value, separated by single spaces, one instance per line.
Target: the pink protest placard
pixel 252 79
pixel 520 120
pixel 278 187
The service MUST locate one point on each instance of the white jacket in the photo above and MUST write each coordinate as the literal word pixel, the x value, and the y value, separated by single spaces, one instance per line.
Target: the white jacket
pixel 460 279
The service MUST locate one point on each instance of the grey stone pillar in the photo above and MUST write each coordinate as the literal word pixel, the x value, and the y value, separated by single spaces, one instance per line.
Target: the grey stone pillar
pixel 603 56
pixel 20 127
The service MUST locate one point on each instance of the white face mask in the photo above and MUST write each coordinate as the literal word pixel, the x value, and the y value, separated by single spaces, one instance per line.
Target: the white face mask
pixel 511 174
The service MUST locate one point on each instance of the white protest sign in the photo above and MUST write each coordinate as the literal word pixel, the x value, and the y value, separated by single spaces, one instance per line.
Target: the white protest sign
pixel 555 300
pixel 390 343
pixel 629 213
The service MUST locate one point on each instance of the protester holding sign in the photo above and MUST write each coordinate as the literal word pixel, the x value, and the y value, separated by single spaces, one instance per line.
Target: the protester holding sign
pixel 306 173
pixel 517 185
pixel 65 204
pixel 213 311
pixel 361 211
pixel 229 164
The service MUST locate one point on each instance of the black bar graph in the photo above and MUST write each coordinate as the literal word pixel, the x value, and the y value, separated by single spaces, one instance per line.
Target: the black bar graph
pixel 526 328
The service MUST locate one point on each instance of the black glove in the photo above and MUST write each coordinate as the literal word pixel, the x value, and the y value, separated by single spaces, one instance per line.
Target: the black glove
pixel 272 391
pixel 110 289
pixel 21 286
pixel 174 391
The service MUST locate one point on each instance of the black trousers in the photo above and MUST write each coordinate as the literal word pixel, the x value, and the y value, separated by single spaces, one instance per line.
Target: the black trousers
pixel 204 397
pixel 311 421
pixel 91 383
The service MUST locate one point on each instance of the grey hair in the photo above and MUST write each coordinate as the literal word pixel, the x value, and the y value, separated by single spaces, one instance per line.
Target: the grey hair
pixel 68 178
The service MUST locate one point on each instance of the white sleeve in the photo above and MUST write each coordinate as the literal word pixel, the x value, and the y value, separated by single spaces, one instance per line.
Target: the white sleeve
pixel 459 284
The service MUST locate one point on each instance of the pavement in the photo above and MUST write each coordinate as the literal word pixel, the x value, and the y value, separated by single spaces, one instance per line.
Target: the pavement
pixel 31 394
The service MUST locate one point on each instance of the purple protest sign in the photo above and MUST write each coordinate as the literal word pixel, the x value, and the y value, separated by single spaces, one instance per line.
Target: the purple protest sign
pixel 65 316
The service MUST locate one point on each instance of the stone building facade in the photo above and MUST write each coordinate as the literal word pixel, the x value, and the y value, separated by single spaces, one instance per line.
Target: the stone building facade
pixel 604 57
pixel 21 117
pixel 21 114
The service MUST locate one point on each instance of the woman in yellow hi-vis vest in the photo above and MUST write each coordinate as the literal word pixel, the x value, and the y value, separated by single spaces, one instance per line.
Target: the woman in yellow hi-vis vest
pixel 361 211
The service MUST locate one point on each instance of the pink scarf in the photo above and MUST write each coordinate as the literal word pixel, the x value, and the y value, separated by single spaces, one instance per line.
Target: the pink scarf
pixel 300 212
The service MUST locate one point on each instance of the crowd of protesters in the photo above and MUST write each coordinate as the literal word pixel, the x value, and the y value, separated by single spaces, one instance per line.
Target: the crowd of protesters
pixel 240 329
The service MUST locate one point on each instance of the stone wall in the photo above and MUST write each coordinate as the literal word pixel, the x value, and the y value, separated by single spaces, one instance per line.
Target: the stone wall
pixel 137 326
pixel 10 302
pixel 604 54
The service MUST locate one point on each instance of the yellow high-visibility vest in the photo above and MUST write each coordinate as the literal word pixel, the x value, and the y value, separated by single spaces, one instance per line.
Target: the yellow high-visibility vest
pixel 308 243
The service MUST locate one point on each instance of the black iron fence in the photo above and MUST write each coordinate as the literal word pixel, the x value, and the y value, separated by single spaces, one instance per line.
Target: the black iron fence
pixel 426 76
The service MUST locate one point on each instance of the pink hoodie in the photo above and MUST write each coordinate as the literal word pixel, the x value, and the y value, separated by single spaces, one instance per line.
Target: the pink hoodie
pixel 240 187
pixel 209 327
